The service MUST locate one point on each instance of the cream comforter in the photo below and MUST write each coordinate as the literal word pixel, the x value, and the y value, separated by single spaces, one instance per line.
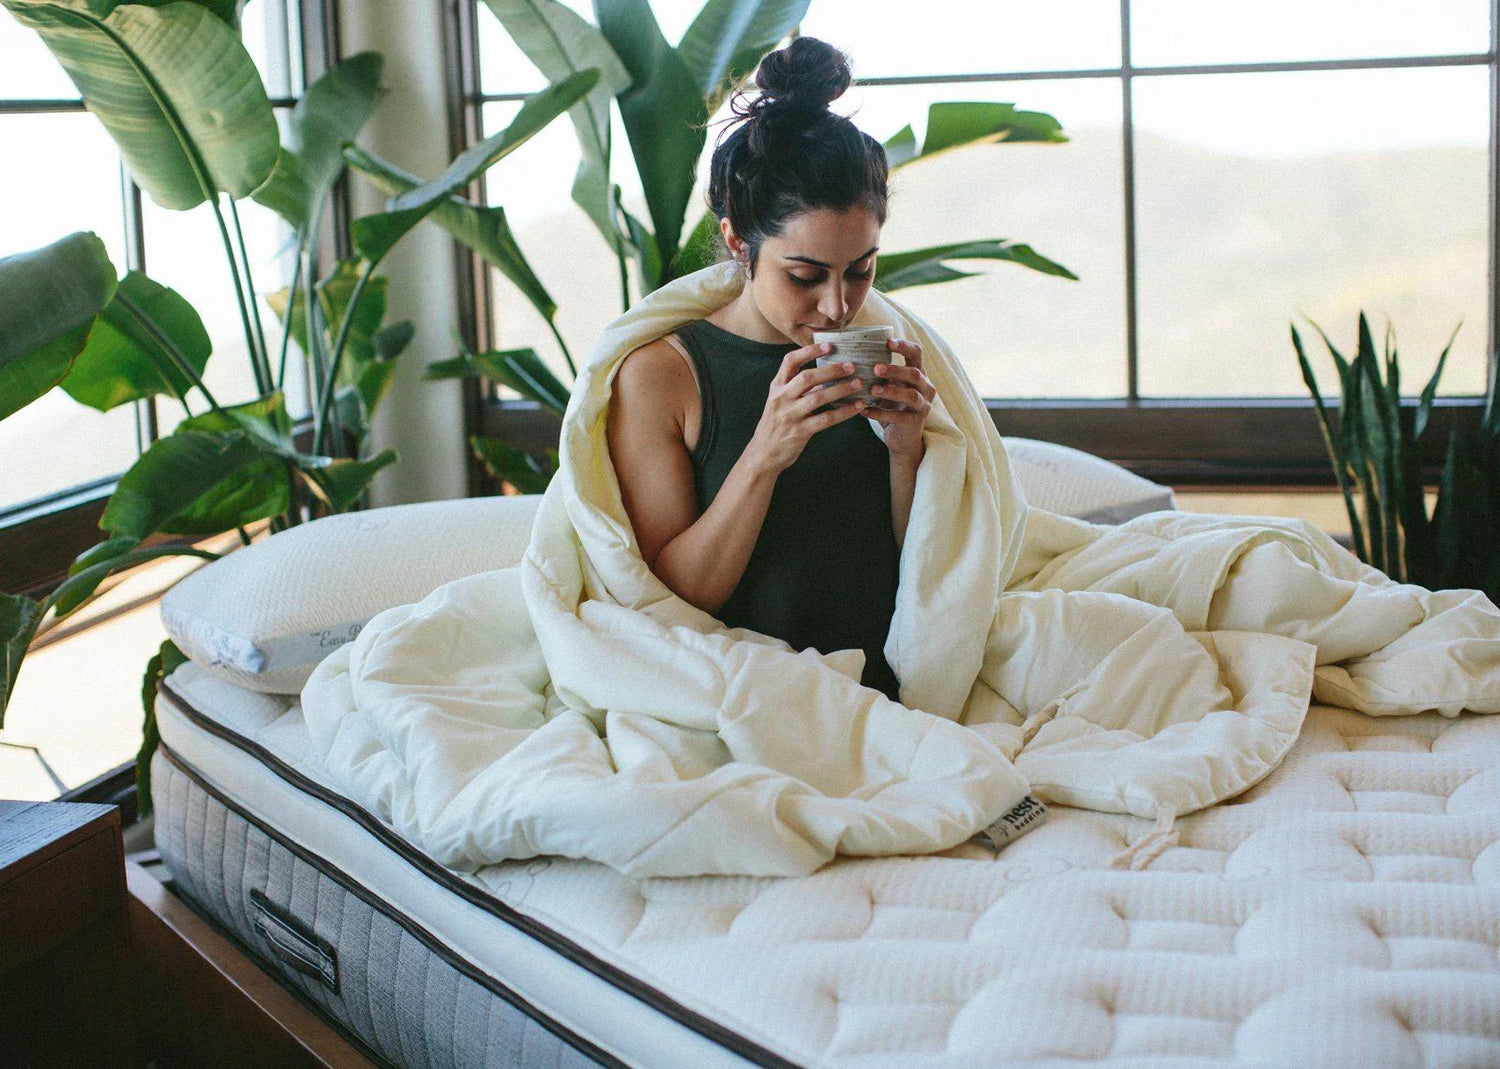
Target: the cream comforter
pixel 574 705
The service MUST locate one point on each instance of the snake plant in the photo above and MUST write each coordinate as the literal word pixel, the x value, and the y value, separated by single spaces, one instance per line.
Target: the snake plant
pixel 1375 445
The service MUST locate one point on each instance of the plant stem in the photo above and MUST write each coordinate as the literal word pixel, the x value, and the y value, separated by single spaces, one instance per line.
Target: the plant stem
pixel 564 346
pixel 256 359
pixel 170 348
pixel 291 300
pixel 330 377
pixel 260 333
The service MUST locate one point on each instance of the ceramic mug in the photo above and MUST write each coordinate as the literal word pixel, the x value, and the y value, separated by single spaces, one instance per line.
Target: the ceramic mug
pixel 864 347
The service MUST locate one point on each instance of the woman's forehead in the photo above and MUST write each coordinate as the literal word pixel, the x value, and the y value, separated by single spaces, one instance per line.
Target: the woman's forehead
pixel 837 238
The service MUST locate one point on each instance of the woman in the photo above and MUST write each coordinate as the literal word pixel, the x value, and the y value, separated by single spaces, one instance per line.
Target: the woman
pixel 754 494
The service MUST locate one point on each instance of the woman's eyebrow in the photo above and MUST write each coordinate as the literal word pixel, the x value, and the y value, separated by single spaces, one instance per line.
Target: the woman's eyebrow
pixel 820 263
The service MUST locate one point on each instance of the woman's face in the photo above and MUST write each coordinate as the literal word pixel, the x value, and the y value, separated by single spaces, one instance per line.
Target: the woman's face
pixel 815 276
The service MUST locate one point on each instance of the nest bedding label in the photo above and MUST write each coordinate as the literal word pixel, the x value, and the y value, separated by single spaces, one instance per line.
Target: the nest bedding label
pixel 1026 815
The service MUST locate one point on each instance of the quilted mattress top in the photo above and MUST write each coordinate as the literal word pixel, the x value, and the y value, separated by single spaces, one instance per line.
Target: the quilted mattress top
pixel 1345 911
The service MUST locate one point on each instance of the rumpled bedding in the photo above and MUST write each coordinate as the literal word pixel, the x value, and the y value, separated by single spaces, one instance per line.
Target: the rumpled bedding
pixel 574 705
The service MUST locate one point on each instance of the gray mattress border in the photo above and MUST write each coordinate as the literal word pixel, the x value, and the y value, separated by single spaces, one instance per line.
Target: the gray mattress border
pixel 553 940
pixel 375 902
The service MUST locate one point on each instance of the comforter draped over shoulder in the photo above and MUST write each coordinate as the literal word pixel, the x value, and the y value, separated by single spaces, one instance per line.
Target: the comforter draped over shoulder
pixel 574 705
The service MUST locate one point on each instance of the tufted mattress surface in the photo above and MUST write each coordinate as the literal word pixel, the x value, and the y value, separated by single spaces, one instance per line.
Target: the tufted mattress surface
pixel 1343 912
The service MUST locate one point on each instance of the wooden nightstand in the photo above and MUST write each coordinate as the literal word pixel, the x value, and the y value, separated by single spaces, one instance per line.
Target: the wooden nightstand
pixel 64 937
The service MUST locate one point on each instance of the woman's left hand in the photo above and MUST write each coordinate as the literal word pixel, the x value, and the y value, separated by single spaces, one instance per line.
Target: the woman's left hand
pixel 905 401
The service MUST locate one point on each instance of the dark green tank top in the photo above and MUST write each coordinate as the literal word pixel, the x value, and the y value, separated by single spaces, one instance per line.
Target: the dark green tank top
pixel 825 566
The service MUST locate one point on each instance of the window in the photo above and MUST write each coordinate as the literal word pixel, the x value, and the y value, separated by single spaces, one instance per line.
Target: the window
pixel 1231 169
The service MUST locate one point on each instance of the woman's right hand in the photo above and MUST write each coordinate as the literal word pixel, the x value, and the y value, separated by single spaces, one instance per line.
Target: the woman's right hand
pixel 791 417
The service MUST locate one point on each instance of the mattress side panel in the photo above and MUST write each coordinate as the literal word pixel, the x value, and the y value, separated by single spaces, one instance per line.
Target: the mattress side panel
pixel 360 965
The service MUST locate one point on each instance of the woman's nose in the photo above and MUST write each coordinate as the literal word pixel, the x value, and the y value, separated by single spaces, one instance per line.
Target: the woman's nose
pixel 833 305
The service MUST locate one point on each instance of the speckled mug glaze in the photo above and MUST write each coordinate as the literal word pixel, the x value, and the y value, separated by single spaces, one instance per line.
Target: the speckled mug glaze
pixel 864 347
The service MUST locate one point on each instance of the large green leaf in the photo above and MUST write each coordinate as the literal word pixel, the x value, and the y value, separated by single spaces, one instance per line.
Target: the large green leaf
pixel 18 622
pixel 923 267
pixel 520 469
pixel 173 86
pixel 173 474
pixel 163 663
pixel 958 124
pixel 483 229
pixel 520 369
pixel 126 357
pixel 701 248
pixel 339 483
pixel 561 43
pixel 664 113
pixel 48 300
pixel 331 113
pixel 375 235
pixel 728 38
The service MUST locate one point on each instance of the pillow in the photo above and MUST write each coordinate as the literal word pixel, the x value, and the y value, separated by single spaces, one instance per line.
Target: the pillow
pixel 265 615
pixel 1073 483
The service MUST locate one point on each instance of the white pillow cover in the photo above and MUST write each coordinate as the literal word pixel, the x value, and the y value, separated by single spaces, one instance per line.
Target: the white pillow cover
pixel 264 616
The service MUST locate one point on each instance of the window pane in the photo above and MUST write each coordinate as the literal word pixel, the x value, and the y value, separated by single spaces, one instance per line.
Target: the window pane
pixel 1040 336
pixel 272 37
pixel 29 72
pixel 77 702
pixel 71 182
pixel 1181 32
pixel 185 251
pixel 1019 333
pixel 1374 197
pixel 883 38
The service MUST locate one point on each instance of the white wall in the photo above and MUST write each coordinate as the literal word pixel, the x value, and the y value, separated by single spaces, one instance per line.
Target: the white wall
pixel 423 421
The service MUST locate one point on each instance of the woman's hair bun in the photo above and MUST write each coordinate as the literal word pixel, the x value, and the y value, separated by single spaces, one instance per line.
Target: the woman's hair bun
pixel 806 75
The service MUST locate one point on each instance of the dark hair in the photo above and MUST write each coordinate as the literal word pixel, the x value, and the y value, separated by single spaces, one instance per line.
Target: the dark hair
pixel 789 153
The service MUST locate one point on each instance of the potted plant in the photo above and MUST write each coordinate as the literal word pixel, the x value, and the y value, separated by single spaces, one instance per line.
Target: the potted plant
pixel 177 92
pixel 1374 443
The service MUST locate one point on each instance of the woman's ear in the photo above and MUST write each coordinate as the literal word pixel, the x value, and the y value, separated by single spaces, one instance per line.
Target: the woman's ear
pixel 737 248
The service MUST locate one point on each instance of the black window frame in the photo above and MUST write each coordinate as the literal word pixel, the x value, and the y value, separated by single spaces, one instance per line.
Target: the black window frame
pixel 1214 443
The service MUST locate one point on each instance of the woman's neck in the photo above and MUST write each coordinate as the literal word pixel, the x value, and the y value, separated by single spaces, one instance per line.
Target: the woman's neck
pixel 740 316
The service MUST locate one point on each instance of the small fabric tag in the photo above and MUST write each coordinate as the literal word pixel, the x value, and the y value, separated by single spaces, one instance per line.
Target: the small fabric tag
pixel 1027 814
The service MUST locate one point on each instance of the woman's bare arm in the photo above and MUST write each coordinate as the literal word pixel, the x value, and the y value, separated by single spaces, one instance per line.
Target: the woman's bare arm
pixel 700 558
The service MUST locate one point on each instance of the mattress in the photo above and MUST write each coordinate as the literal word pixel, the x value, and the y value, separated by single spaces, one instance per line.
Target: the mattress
pixel 1344 911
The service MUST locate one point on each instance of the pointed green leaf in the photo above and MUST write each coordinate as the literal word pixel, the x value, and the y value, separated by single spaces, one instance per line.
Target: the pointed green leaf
pixel 922 267
pixel 375 235
pixel 173 474
pixel 126 358
pixel 644 248
pixel 561 43
pixel 700 250
pixel 959 124
pixel 333 111
pixel 1429 392
pixel 18 623
pixel 483 229
pixel 48 300
pixel 728 39
pixel 339 483
pixel 506 462
pixel 901 147
pixel 163 663
pixel 173 86
pixel 664 113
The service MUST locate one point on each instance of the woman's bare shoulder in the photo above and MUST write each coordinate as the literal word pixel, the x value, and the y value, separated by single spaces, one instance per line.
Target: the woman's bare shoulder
pixel 655 379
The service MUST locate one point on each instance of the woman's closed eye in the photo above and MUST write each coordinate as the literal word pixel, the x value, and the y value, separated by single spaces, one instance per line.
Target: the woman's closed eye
pixel 858 276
